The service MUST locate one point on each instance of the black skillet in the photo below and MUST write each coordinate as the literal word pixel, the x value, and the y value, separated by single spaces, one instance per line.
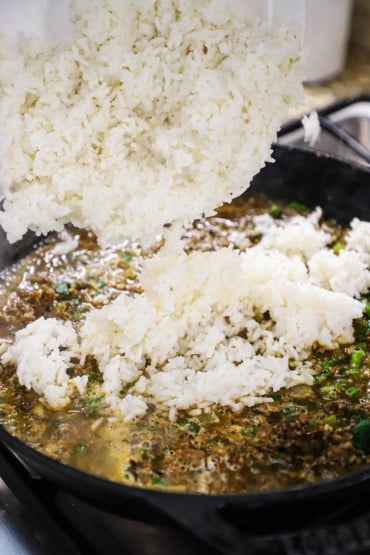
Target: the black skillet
pixel 343 190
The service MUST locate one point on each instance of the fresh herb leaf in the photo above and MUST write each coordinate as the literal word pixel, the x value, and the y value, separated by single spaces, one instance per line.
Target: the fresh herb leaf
pixel 127 257
pixel 328 391
pixel 158 481
pixel 357 358
pixel 62 288
pixel 194 427
pixel 353 392
pixel 361 435
pixel 291 410
pixel 298 206
pixel 337 247
pixel 331 420
pixel 276 211
pixel 247 431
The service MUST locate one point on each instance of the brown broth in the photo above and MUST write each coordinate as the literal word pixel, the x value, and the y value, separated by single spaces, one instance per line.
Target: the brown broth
pixel 304 436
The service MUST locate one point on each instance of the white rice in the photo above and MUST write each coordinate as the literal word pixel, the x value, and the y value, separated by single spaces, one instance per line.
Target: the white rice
pixel 42 353
pixel 196 337
pixel 155 112
pixel 311 128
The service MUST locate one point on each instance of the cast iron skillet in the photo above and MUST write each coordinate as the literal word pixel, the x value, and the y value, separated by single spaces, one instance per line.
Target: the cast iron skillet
pixel 343 190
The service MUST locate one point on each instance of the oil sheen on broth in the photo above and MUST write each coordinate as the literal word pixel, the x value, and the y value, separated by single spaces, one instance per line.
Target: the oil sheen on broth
pixel 307 434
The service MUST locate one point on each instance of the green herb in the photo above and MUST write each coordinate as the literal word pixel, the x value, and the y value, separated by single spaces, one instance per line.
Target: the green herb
pixel 337 247
pixel 325 372
pixel 275 211
pixel 327 390
pixel 76 316
pixel 100 284
pixel 158 481
pixel 194 427
pixel 247 431
pixel 291 410
pixel 353 392
pixel 361 435
pixel 298 206
pixel 62 288
pixel 343 385
pixel 275 396
pixel 127 257
pixel 325 365
pixel 367 310
pixel 331 420
pixel 236 247
pixel 353 372
pixel 92 405
pixel 357 358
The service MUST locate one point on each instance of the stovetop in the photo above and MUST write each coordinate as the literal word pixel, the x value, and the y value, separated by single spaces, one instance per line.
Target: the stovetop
pixel 55 527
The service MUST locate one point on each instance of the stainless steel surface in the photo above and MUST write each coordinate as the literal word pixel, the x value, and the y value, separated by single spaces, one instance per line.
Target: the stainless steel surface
pixel 354 118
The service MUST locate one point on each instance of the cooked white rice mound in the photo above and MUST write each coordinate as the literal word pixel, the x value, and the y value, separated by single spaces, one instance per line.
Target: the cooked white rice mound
pixel 154 112
pixel 43 352
pixel 223 327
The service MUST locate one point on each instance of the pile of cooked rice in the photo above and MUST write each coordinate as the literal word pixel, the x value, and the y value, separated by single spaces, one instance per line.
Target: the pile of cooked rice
pixel 198 335
pixel 153 112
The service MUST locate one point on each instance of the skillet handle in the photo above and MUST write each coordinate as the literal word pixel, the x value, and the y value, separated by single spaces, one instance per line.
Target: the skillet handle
pixel 200 516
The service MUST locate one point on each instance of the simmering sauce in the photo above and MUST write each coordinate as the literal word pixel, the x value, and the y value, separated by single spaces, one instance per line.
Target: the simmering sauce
pixel 309 433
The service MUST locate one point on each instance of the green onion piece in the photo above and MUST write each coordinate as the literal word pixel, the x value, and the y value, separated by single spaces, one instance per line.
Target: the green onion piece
pixel 331 420
pixel 367 310
pixel 194 427
pixel 247 431
pixel 158 481
pixel 357 358
pixel 298 206
pixel 353 372
pixel 361 435
pixel 337 247
pixel 76 316
pixel 275 211
pixel 236 247
pixel 126 256
pixel 327 390
pixel 353 392
pixel 291 410
pixel 62 288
